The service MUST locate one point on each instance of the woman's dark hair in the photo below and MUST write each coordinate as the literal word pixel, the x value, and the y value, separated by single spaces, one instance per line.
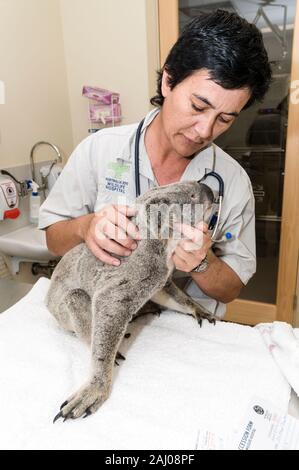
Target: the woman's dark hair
pixel 229 47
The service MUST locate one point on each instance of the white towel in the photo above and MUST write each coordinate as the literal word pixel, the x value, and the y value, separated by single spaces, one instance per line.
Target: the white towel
pixel 177 378
pixel 283 343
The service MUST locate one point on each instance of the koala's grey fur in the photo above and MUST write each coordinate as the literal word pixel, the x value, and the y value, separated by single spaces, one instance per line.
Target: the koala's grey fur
pixel 97 301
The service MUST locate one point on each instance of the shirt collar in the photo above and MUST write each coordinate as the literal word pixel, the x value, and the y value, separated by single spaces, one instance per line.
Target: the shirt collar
pixel 144 161
pixel 199 165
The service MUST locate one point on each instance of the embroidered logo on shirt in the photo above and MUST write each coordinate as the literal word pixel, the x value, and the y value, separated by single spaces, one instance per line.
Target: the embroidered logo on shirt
pixel 117 178
pixel 118 168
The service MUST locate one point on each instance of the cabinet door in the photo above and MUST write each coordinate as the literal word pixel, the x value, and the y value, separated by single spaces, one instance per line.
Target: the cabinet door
pixel 265 141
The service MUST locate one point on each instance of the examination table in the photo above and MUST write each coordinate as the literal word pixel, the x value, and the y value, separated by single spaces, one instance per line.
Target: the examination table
pixel 177 380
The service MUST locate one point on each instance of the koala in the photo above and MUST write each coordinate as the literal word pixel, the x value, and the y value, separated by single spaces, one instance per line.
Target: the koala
pixel 97 301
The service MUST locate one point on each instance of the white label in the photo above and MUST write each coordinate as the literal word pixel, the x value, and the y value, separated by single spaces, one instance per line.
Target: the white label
pixel 264 427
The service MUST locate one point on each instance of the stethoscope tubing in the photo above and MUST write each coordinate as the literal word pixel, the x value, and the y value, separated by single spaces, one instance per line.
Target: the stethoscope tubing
pixel 136 153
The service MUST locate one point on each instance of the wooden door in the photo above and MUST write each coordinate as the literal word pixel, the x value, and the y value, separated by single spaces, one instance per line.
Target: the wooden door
pixel 283 306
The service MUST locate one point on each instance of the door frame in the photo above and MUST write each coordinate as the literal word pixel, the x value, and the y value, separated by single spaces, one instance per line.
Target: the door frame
pixel 245 311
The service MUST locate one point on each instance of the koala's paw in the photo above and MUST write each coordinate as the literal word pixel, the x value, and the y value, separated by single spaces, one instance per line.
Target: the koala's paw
pixel 201 314
pixel 85 402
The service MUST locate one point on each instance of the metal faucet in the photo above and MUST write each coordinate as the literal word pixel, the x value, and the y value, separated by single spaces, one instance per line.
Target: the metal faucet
pixel 54 147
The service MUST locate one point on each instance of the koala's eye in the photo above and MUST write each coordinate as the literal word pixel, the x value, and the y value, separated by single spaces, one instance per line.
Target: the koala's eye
pixel 193 196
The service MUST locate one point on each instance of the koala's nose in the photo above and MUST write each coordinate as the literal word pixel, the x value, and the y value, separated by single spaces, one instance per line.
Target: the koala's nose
pixel 206 194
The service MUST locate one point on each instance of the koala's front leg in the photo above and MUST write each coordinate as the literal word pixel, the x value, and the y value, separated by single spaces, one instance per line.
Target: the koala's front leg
pixel 172 297
pixel 110 317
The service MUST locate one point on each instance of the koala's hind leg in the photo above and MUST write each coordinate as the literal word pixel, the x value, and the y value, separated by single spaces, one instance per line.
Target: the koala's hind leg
pixel 172 297
pixel 111 314
pixel 78 305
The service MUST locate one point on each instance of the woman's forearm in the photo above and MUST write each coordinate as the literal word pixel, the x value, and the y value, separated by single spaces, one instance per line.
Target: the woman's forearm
pixel 64 235
pixel 219 281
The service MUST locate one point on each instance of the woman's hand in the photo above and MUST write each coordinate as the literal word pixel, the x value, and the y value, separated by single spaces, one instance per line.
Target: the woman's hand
pixel 111 231
pixel 193 249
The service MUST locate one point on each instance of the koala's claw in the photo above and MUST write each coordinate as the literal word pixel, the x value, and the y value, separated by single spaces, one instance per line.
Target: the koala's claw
pixel 88 413
pixel 120 356
pixel 63 405
pixel 201 315
pixel 83 403
pixel 58 416
pixel 69 416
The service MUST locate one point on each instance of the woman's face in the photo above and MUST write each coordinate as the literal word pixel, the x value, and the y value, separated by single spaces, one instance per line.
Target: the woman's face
pixel 197 110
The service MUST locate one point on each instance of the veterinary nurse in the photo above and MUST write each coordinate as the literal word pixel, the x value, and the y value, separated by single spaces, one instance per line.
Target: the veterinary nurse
pixel 217 67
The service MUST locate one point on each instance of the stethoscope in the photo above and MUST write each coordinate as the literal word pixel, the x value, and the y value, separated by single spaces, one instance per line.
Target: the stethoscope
pixel 214 220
